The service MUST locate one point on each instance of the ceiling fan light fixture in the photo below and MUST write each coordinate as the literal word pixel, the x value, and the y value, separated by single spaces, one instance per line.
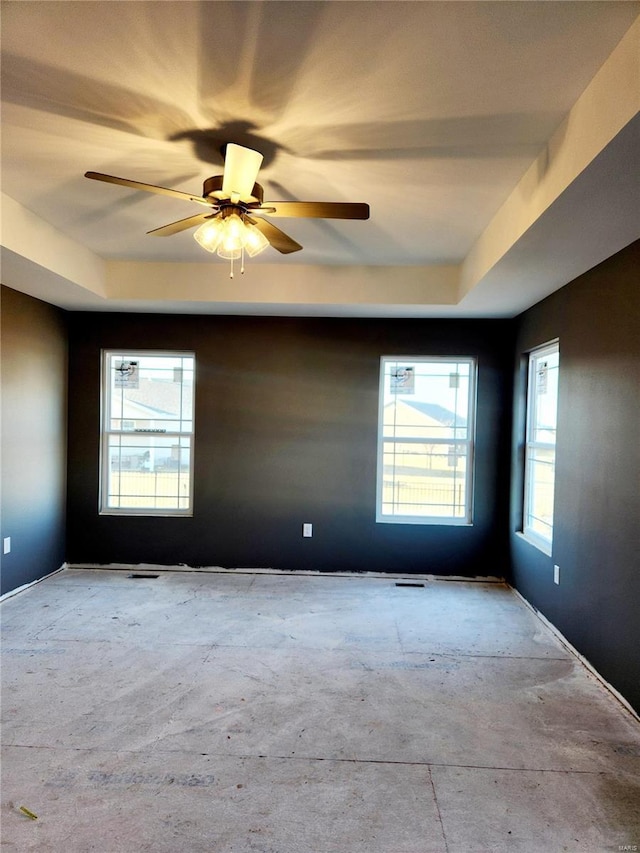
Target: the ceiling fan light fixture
pixel 229 235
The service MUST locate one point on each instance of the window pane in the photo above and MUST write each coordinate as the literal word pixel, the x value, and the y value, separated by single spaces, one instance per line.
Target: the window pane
pixel 419 479
pixel 142 470
pixel 437 391
pixel 541 488
pixel 150 392
pixel 544 397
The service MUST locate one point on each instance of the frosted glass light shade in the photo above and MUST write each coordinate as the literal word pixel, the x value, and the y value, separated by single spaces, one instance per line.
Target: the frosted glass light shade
pixel 209 234
pixel 230 246
pixel 230 253
pixel 255 241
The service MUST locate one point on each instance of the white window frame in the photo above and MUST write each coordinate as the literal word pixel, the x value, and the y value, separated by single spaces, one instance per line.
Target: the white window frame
pixel 533 445
pixel 464 447
pixel 181 432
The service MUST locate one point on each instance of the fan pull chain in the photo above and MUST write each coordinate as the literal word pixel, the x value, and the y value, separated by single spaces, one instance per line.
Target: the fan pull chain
pixel 231 273
pixel 242 261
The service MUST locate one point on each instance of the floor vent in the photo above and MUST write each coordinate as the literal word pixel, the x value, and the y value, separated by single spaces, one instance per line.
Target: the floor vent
pixel 419 585
pixel 150 577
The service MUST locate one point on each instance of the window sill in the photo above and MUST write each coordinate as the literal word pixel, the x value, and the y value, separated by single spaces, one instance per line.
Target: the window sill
pixel 540 544
pixel 145 513
pixel 425 522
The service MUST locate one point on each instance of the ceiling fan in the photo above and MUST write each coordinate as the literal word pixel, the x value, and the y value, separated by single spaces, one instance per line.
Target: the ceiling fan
pixel 230 225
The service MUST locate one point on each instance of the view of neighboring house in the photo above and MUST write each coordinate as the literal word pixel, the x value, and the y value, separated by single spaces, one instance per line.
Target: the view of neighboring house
pixel 424 459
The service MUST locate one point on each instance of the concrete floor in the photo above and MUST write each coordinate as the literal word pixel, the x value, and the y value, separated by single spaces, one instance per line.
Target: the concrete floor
pixel 260 713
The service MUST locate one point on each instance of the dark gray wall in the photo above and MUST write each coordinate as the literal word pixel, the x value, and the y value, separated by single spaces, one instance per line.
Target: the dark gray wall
pixel 286 433
pixel 33 346
pixel 597 502
pixel 286 425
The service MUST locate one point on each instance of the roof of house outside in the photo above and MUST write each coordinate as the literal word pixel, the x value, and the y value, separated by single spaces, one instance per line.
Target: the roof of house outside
pixel 162 397
pixel 437 412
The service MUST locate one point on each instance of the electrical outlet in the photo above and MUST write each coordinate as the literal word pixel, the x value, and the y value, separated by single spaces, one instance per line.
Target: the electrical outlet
pixel 6 545
pixel 307 529
pixel 556 574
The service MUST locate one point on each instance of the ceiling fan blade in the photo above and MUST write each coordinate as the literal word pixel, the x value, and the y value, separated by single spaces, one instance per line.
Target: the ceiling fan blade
pixel 316 209
pixel 241 167
pixel 278 239
pixel 149 188
pixel 181 225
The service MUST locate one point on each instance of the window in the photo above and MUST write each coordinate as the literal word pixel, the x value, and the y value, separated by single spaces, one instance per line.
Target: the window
pixel 540 445
pixel 147 433
pixel 425 440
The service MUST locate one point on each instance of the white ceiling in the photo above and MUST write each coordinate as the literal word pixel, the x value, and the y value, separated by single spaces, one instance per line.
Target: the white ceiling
pixel 448 118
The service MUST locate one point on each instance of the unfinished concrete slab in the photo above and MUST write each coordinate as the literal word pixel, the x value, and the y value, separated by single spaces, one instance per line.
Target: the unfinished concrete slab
pixel 255 712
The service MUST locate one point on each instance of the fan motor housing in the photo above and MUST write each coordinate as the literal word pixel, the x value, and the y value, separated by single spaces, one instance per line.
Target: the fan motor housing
pixel 214 184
